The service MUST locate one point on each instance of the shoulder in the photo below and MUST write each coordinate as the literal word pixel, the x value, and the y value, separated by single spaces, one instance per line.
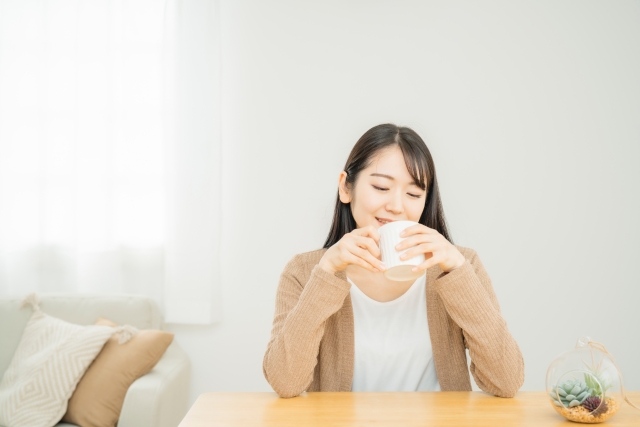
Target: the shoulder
pixel 473 258
pixel 299 267
pixel 468 253
pixel 308 258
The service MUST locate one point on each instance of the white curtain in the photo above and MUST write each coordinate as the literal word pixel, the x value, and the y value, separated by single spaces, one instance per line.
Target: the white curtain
pixel 109 150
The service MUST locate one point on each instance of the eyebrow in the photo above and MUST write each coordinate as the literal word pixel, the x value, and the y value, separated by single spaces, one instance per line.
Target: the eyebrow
pixel 384 176
pixel 391 178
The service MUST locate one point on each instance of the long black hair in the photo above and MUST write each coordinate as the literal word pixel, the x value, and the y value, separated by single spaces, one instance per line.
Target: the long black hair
pixel 419 163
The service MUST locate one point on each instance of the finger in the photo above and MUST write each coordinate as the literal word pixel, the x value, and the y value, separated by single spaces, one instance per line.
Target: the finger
pixel 368 231
pixel 427 264
pixel 368 257
pixel 420 250
pixel 417 229
pixel 415 240
pixel 369 244
pixel 359 261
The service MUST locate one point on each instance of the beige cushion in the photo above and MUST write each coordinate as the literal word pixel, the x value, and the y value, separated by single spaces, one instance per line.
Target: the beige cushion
pixel 50 359
pixel 81 309
pixel 99 396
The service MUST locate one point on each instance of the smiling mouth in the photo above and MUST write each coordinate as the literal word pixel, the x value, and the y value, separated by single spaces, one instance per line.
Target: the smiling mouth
pixel 384 221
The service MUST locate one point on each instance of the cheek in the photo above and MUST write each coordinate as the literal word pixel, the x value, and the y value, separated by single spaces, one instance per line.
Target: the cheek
pixel 414 210
pixel 372 200
pixel 367 201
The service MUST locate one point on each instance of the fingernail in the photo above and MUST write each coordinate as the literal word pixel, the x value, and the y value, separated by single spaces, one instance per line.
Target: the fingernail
pixel 403 256
pixel 382 267
pixel 398 246
pixel 375 270
pixel 414 269
pixel 403 233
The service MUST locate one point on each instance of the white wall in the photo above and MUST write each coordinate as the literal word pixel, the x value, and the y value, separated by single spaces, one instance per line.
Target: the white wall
pixel 531 110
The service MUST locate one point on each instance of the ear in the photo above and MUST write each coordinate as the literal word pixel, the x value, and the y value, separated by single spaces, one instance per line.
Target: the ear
pixel 345 196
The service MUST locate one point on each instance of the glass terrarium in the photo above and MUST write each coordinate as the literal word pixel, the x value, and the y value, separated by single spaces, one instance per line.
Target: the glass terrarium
pixel 584 384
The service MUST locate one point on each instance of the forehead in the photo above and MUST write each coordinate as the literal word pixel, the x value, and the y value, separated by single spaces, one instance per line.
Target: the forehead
pixel 390 161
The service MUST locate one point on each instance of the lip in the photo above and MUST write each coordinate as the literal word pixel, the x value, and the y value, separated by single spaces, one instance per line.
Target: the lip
pixel 386 220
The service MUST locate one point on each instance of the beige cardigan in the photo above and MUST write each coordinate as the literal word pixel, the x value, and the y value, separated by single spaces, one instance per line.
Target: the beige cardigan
pixel 312 345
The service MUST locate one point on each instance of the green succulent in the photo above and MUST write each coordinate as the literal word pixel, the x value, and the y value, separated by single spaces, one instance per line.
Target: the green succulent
pixel 570 393
pixel 595 379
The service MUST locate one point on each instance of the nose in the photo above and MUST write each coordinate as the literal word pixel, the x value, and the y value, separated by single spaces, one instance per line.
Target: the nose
pixel 394 204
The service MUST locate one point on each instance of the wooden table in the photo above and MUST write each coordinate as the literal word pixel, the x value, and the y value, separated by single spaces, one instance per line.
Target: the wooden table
pixel 449 409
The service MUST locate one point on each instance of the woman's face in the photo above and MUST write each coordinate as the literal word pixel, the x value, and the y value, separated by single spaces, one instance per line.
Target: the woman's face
pixel 384 191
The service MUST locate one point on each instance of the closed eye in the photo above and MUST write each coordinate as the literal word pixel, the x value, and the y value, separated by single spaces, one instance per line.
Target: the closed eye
pixel 415 196
pixel 379 188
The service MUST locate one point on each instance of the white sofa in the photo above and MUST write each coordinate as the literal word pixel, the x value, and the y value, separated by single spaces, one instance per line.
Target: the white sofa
pixel 158 399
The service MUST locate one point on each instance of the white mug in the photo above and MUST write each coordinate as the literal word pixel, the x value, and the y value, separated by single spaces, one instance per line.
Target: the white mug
pixel 397 270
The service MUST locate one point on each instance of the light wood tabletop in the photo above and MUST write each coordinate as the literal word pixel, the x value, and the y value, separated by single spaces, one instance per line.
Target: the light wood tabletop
pixel 449 409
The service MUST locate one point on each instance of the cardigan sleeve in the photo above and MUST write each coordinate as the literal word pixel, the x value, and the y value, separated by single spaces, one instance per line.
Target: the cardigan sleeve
pixel 496 361
pixel 302 310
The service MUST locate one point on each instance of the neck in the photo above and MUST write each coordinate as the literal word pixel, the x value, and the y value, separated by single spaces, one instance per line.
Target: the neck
pixel 375 285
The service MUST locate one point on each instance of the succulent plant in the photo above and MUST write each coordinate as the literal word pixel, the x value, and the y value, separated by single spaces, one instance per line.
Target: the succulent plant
pixel 597 380
pixel 592 404
pixel 570 393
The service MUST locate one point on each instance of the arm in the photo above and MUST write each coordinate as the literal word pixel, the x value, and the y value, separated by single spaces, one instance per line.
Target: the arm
pixel 298 326
pixel 496 361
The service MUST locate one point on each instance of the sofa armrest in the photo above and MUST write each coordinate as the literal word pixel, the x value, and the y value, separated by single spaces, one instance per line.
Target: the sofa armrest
pixel 161 397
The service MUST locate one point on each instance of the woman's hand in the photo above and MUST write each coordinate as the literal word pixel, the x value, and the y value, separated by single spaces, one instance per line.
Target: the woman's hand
pixel 360 247
pixel 420 239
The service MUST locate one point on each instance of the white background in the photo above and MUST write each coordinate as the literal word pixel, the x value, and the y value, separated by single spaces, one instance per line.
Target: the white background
pixel 531 110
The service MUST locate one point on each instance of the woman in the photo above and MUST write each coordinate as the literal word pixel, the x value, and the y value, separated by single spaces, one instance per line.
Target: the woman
pixel 340 325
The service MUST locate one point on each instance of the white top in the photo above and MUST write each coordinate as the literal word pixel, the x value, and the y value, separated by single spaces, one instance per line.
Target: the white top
pixel 392 344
